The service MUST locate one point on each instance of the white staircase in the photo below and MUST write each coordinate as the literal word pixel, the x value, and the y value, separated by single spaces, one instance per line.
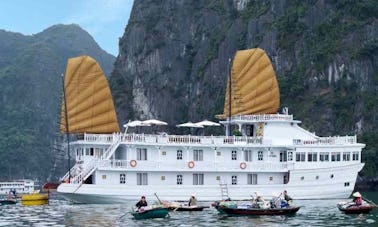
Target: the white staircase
pixel 93 164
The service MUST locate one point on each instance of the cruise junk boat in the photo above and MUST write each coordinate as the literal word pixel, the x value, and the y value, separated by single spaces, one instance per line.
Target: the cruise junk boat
pixel 272 154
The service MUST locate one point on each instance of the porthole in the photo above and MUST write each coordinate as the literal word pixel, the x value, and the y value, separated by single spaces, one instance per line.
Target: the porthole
pixel 317 177
pixel 302 178
pixel 332 176
pixel 218 153
pixel 346 184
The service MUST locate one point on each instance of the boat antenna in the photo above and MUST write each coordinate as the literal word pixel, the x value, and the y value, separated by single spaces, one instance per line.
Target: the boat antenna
pixel 229 96
pixel 67 130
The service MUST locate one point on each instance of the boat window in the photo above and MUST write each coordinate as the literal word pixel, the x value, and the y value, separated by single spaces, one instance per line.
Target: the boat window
pixel 198 179
pixel 234 180
pixel 219 153
pixel 252 178
pixel 260 155
pixel 104 177
pixel 179 179
pixel 346 156
pixel 355 156
pixel 248 155
pixel 290 156
pixel 122 178
pixel 300 156
pixel 87 151
pixel 91 151
pixel 179 154
pixel 233 155
pixel 324 157
pixel 142 179
pixel 302 178
pixel 312 157
pixel 317 177
pixel 141 153
pixel 346 184
pixel 198 155
pixel 335 156
pixel 283 156
pixel 332 176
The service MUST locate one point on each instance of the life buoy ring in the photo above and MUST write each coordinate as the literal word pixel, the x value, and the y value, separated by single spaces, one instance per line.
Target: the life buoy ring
pixel 243 165
pixel 191 164
pixel 133 163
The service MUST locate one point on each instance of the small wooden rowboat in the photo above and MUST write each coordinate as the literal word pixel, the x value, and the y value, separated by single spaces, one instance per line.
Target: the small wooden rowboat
pixel 250 211
pixel 351 209
pixel 158 212
pixel 187 208
pixel 8 201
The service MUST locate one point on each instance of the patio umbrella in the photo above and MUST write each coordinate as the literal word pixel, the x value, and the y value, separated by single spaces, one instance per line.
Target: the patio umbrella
pixel 154 122
pixel 135 123
pixel 189 125
pixel 207 123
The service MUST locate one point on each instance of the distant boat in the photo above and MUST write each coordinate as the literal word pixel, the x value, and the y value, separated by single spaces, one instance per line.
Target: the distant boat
pixel 50 187
pixel 17 187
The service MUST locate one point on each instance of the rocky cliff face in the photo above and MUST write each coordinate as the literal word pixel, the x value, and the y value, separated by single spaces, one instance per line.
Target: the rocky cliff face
pixel 30 95
pixel 174 55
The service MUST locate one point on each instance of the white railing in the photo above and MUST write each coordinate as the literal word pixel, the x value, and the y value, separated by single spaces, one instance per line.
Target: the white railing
pixel 264 117
pixel 198 166
pixel 335 140
pixel 173 139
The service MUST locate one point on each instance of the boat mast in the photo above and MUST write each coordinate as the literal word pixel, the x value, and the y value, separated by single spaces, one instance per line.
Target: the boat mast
pixel 67 131
pixel 229 97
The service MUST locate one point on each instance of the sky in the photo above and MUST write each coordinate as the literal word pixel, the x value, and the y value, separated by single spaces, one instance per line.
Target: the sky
pixel 104 20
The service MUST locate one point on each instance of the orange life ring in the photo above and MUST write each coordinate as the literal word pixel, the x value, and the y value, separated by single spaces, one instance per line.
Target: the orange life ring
pixel 191 164
pixel 133 163
pixel 243 165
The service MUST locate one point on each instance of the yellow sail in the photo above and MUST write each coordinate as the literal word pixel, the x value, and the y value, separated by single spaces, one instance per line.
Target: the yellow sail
pixel 254 87
pixel 90 107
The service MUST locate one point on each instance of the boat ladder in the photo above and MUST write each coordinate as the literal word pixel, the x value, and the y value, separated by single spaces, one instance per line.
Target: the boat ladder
pixel 224 190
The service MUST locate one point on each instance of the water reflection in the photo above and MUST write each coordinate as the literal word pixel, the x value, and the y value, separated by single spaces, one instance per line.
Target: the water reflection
pixel 62 213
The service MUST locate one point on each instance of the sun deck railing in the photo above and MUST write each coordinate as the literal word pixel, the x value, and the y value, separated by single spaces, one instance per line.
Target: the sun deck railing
pixel 335 140
pixel 264 117
pixel 172 139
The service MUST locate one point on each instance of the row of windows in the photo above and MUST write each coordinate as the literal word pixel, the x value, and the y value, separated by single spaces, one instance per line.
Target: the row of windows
pixel 284 155
pixel 198 179
pixel 325 156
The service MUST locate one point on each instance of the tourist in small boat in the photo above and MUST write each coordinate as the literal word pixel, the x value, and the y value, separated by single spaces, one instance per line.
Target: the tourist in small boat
pixel 192 200
pixel 287 197
pixel 275 202
pixel 357 200
pixel 142 202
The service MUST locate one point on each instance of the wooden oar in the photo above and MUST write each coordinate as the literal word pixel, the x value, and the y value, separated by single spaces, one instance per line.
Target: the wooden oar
pixel 371 202
pixel 158 198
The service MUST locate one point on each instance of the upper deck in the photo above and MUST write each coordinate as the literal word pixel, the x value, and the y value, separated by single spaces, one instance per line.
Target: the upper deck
pixel 189 140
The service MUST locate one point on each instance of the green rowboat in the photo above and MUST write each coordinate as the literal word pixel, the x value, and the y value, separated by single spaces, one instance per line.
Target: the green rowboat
pixel 159 212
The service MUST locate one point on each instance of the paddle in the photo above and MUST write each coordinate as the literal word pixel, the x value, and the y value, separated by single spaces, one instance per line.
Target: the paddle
pixel 371 202
pixel 158 198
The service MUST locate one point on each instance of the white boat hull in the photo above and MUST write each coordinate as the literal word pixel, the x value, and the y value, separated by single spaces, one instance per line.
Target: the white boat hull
pixel 322 188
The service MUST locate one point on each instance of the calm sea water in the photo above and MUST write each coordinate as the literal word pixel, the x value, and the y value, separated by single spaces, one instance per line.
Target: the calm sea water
pixel 63 213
